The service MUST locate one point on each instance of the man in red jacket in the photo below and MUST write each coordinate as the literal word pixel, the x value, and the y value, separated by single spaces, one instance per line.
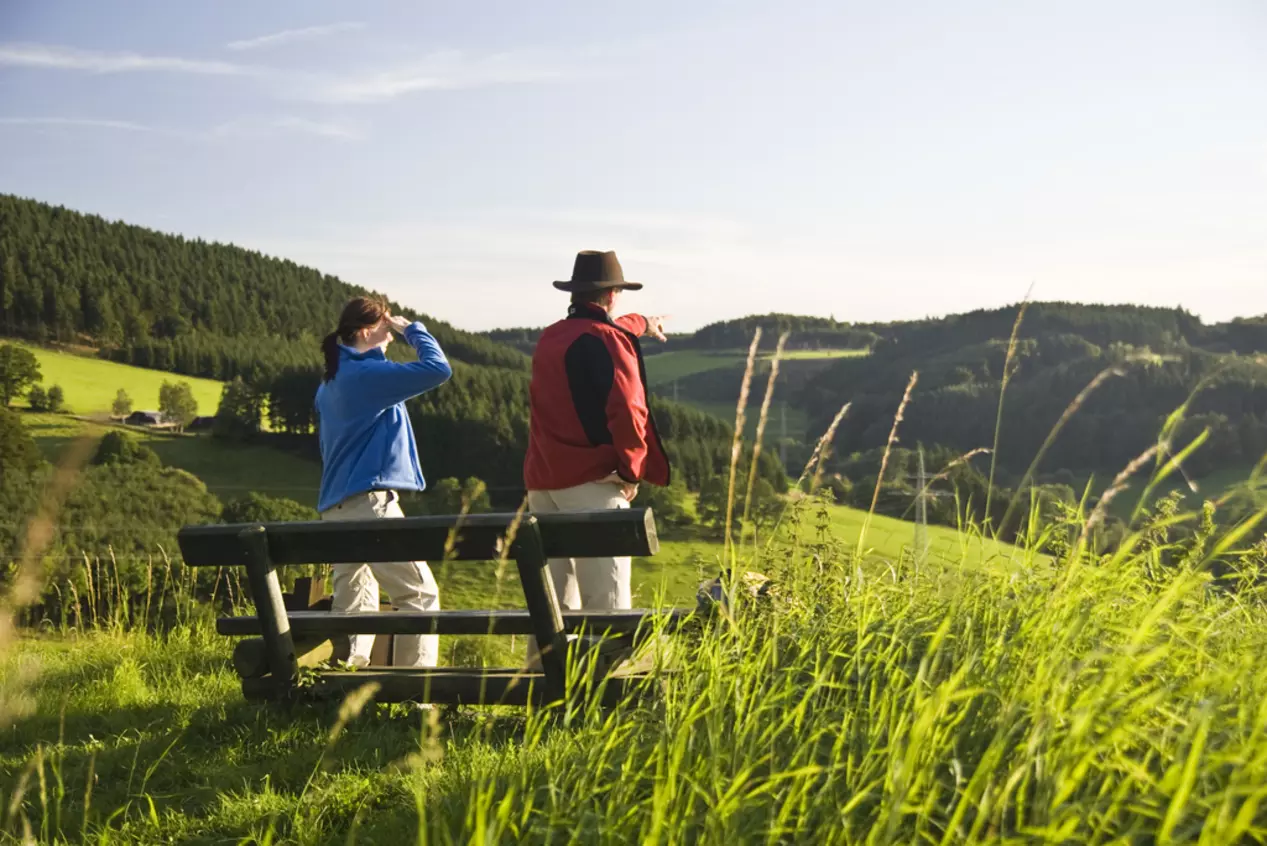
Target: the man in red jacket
pixel 592 440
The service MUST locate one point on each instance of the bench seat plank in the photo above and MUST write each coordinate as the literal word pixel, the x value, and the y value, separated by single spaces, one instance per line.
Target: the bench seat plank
pixel 310 624
pixel 442 685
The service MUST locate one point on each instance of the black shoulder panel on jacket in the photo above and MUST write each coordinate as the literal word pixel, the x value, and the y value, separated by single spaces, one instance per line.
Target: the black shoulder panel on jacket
pixel 590 376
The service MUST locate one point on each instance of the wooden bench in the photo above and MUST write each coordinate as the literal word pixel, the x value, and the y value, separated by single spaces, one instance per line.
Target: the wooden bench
pixel 268 663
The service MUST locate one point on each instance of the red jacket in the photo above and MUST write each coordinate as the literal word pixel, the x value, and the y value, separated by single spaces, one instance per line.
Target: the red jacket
pixel 589 404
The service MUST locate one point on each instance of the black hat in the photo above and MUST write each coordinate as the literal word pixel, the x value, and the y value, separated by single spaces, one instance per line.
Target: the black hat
pixel 595 271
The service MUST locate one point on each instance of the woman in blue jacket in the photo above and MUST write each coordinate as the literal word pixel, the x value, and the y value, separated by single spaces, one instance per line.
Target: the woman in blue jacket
pixel 368 454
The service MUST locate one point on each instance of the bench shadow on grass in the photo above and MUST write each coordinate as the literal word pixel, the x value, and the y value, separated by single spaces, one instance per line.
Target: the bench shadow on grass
pixel 195 760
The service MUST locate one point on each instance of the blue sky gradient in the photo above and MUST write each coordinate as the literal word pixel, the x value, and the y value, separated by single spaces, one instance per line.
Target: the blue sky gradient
pixel 872 161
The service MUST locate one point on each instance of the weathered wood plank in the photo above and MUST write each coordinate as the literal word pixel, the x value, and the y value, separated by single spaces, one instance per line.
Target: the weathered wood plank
pixel 279 648
pixel 543 607
pixel 598 534
pixel 251 661
pixel 307 624
pixel 477 537
pixel 442 686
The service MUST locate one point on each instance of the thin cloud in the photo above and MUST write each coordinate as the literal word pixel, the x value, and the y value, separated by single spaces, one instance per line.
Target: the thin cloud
pixel 84 123
pixel 69 58
pixel 258 128
pixel 446 71
pixel 241 128
pixel 289 36
pixel 322 128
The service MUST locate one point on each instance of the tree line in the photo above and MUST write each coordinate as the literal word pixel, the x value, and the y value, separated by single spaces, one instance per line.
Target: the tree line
pixel 1145 363
pixel 187 306
pixel 172 303
pixel 477 424
pixel 807 333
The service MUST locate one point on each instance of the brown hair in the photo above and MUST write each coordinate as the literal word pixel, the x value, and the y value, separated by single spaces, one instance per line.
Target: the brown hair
pixel 591 297
pixel 360 313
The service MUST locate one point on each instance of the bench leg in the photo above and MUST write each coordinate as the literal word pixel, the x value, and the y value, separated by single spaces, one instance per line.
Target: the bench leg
pixel 279 648
pixel 543 607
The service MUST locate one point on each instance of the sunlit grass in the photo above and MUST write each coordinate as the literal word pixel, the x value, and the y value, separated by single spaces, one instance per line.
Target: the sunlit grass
pixel 90 384
pixel 665 367
pixel 871 704
pixel 229 470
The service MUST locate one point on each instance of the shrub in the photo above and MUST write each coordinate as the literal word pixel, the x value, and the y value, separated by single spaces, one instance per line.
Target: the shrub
pixel 56 399
pixel 259 508
pixel 119 448
pixel 37 397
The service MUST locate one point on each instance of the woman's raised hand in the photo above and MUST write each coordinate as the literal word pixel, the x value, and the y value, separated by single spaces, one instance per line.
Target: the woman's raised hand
pixel 397 322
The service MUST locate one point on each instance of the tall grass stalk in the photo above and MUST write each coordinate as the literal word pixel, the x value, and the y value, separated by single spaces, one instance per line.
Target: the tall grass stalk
pixel 815 461
pixel 761 423
pixel 1009 367
pixel 736 445
pixel 25 583
pixel 884 460
pixel 1070 410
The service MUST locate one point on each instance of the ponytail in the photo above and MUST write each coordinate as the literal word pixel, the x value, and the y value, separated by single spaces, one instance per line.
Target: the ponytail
pixel 359 313
pixel 330 349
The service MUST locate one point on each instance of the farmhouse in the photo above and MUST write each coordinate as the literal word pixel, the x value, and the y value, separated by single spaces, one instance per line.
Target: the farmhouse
pixel 144 418
pixel 149 419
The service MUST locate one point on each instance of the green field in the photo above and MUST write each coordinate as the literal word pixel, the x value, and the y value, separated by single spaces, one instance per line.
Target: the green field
pixel 1211 486
pixel 666 367
pixel 229 470
pixel 90 384
pixel 796 419
pixel 813 355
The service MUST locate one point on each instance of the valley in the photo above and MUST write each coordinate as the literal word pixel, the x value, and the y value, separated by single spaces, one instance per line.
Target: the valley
pixel 905 583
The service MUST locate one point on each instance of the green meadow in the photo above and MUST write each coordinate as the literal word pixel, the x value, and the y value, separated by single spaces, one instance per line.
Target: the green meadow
pixel 90 384
pixel 666 367
pixel 228 470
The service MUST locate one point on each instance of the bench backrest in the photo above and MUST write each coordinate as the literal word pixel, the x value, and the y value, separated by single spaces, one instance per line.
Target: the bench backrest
pixel 474 537
pixel 529 539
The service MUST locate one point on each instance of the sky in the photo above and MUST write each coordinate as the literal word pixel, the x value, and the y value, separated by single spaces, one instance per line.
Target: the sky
pixel 862 160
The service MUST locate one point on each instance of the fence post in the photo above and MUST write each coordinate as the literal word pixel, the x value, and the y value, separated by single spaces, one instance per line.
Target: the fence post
pixel 270 608
pixel 543 607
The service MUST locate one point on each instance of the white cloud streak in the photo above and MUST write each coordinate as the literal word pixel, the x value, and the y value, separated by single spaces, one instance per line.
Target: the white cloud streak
pixel 243 128
pixel 449 70
pixel 83 123
pixel 263 127
pixel 289 36
pixel 444 71
pixel 323 128
pixel 54 57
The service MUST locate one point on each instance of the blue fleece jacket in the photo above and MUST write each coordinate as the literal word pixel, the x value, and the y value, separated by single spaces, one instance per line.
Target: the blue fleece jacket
pixel 366 440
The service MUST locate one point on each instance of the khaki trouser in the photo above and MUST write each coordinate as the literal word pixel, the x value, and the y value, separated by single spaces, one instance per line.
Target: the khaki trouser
pixel 409 585
pixel 585 584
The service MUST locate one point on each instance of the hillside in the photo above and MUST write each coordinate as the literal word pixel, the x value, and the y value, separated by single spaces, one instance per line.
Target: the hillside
pixel 229 470
pixel 808 334
pixel 90 384
pixel 1157 358
pixel 704 369
pixel 169 303
pixel 172 303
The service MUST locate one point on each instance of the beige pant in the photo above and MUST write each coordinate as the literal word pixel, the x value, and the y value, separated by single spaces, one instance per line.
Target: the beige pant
pixel 410 586
pixel 587 584
pixel 584 584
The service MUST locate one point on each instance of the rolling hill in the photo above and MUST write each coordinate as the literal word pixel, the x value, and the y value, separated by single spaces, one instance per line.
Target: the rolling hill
pixel 220 312
pixel 90 383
